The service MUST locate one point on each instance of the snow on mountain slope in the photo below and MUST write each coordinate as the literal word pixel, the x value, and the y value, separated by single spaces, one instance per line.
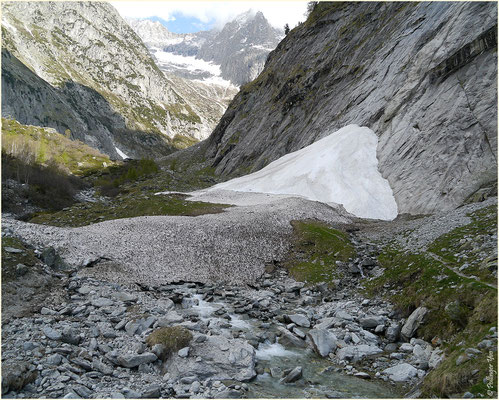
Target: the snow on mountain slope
pixel 340 168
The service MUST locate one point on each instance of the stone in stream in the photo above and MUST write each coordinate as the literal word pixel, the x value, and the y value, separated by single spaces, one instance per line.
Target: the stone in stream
pixel 323 341
pixel 413 323
pixel 288 339
pixel 293 376
pixel 218 357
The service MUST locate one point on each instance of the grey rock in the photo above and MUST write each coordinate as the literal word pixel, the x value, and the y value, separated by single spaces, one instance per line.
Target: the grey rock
pixel 372 321
pixel 102 367
pixel 52 334
pixel 413 323
pixel 323 341
pixel 54 359
pixel 362 375
pixel 170 319
pixel 299 333
pixel 294 375
pixel 356 353
pixel 288 339
pixel 102 302
pixel 12 250
pixel 462 359
pixel 219 357
pixel 195 387
pixel 392 333
pixel 134 360
pixel 21 269
pixel 82 391
pixel 124 297
pixel 132 327
pixel 184 352
pixel 71 336
pixel 151 392
pixel 401 372
pixel 300 320
pixel 343 315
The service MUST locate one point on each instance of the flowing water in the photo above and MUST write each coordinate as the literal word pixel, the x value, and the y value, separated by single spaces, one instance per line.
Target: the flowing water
pixel 320 379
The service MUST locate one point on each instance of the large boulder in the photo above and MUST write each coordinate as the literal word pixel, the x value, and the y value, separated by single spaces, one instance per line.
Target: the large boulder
pixel 220 359
pixel 288 339
pixel 356 353
pixel 401 372
pixel 323 341
pixel 413 323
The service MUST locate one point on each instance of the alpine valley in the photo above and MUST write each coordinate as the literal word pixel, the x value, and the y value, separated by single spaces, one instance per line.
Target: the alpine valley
pixel 246 212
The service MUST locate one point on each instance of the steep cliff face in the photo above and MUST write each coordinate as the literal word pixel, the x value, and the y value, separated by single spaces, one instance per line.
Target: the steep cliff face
pixel 79 66
pixel 422 76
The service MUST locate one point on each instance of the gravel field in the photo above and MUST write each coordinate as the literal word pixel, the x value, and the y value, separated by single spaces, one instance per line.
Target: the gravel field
pixel 232 247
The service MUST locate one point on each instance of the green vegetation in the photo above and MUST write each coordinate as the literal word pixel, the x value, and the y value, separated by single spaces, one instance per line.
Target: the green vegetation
pixel 35 145
pixel 315 250
pixel 47 187
pixel 461 309
pixel 464 238
pixel 173 338
pixel 127 206
pixel 10 261
pixel 110 181
pixel 182 142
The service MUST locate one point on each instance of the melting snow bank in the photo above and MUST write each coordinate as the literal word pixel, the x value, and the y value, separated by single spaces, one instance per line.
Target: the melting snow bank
pixel 121 154
pixel 341 168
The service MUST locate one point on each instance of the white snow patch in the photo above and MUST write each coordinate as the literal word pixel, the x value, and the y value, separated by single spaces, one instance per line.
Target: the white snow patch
pixel 260 47
pixel 120 153
pixel 190 63
pixel 341 168
pixel 217 80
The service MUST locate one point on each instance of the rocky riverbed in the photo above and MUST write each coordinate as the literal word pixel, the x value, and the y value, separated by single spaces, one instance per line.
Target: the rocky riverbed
pixel 77 329
pixel 272 338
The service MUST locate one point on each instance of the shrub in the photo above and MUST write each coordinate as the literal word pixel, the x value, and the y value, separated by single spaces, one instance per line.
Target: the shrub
pixel 173 338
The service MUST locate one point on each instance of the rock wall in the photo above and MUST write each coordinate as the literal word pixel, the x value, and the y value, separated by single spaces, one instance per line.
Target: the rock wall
pixel 66 46
pixel 423 76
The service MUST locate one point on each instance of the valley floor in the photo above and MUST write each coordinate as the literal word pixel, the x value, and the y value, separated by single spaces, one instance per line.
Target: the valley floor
pixel 386 306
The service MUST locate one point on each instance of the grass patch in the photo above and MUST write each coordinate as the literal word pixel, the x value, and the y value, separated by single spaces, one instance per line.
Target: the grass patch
pixel 127 206
pixel 315 250
pixel 461 310
pixel 11 260
pixel 36 145
pixel 173 338
pixel 468 244
pixel 112 180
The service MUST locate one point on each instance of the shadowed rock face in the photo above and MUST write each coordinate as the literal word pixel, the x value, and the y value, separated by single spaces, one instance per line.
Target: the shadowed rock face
pixel 79 66
pixel 421 76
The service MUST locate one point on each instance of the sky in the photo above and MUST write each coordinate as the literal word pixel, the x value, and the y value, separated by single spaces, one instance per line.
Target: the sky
pixel 193 16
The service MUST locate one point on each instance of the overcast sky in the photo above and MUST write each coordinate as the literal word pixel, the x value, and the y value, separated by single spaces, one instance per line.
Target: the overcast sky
pixel 214 13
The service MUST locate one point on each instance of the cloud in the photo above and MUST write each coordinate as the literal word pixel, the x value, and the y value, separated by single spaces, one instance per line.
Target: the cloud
pixel 216 13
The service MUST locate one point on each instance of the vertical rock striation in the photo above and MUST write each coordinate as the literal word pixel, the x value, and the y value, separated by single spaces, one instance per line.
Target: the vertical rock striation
pixel 422 76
